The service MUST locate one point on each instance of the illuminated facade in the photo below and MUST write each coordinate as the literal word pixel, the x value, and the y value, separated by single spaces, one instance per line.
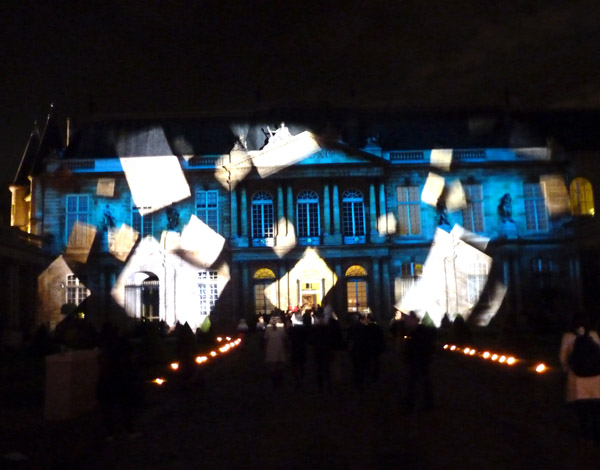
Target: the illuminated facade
pixel 175 219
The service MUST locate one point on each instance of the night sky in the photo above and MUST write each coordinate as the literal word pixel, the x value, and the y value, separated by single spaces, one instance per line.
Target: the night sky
pixel 135 57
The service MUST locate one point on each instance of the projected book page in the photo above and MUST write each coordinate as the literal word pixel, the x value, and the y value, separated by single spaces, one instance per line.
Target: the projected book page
pixel 155 182
pixel 201 242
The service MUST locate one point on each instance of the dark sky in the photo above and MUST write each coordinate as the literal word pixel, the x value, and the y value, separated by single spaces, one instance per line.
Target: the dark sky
pixel 195 56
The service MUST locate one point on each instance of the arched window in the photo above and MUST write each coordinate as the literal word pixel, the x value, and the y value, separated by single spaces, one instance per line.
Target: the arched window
pixel 356 289
pixel 264 290
pixel 262 218
pixel 308 220
pixel 582 197
pixel 353 214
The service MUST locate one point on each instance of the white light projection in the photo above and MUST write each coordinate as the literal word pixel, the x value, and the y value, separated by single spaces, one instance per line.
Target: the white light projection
pixel 455 197
pixel 454 276
pixel 105 187
pixel 556 195
pixel 441 158
pixel 284 150
pixel 80 242
pixel 432 190
pixel 155 182
pixel 200 244
pixel 123 242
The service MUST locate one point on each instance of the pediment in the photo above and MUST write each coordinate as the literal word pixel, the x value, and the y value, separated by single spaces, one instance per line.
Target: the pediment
pixel 285 150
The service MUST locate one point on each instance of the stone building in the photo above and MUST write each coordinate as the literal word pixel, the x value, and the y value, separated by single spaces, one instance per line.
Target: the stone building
pixel 176 218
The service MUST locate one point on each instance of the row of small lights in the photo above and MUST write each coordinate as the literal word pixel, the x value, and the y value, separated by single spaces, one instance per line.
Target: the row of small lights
pixel 228 346
pixel 494 357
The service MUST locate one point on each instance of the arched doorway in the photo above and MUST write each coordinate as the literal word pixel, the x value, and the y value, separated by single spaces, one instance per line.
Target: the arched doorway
pixel 142 299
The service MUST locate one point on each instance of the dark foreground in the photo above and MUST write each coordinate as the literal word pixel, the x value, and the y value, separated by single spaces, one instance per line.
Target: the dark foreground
pixel 486 416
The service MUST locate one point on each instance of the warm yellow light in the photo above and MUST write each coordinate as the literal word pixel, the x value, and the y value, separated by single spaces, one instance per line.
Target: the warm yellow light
pixel 494 357
pixel 466 351
pixel 174 365
pixel 159 381
pixel 219 339
pixel 213 353
pixel 540 368
pixel 446 346
pixel 227 338
pixel 472 352
pixel 502 359
pixel 225 348
pixel 452 348
pixel 201 359
pixel 486 355
pixel 510 361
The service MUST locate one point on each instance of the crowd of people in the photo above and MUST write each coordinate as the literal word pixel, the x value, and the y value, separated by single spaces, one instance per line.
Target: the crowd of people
pixel 302 338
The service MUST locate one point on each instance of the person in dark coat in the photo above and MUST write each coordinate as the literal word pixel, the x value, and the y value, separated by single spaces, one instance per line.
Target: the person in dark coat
pixel 117 384
pixel 298 334
pixel 321 343
pixel 375 346
pixel 358 346
pixel 419 350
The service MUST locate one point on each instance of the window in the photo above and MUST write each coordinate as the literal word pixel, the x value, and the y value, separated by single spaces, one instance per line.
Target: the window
pixel 476 280
pixel 473 213
pixel 353 215
pixel 411 274
pixel 207 208
pixel 209 293
pixel 582 197
pixel 535 207
pixel 141 224
pixel 75 290
pixel 356 289
pixel 308 216
pixel 409 210
pixel 262 217
pixel 77 211
pixel 542 270
pixel 263 279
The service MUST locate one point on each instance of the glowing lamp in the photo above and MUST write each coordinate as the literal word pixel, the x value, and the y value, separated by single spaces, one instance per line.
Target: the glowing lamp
pixel 227 338
pixel 494 357
pixel 219 339
pixel 201 359
pixel 472 352
pixel 159 381
pixel 452 348
pixel 510 361
pixel 466 351
pixel 446 346
pixel 213 353
pixel 502 359
pixel 174 365
pixel 540 368
pixel 486 355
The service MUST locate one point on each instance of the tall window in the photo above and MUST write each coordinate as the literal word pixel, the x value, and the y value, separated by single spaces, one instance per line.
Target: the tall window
pixel 356 289
pixel 473 213
pixel 535 207
pixel 411 274
pixel 209 292
pixel 582 197
pixel 263 279
pixel 353 214
pixel 207 208
pixel 141 224
pixel 542 270
pixel 75 290
pixel 262 217
pixel 308 216
pixel 77 210
pixel 409 210
pixel 476 279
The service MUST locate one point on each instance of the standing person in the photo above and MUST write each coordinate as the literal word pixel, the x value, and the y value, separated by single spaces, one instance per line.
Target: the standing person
pixel 419 350
pixel 117 385
pixel 376 346
pixel 275 337
pixel 582 392
pixel 321 343
pixel 358 347
pixel 338 346
pixel 298 334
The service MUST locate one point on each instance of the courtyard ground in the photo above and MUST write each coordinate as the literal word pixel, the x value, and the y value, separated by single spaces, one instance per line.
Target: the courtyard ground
pixel 487 415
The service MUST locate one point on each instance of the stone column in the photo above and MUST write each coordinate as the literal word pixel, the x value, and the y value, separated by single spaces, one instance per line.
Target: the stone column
pixel 387 298
pixel 375 297
pixel 382 222
pixel 290 214
pixel 326 211
pixel 282 287
pixel 246 294
pixel 243 240
pixel 341 289
pixel 335 236
pixel 234 224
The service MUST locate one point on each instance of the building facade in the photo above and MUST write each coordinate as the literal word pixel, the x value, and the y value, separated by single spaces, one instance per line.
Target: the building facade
pixel 175 219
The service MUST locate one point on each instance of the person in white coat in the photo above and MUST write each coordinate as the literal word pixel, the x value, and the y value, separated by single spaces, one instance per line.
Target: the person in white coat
pixel 583 393
pixel 275 352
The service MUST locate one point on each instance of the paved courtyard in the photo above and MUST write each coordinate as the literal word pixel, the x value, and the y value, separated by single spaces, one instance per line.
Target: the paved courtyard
pixel 486 416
